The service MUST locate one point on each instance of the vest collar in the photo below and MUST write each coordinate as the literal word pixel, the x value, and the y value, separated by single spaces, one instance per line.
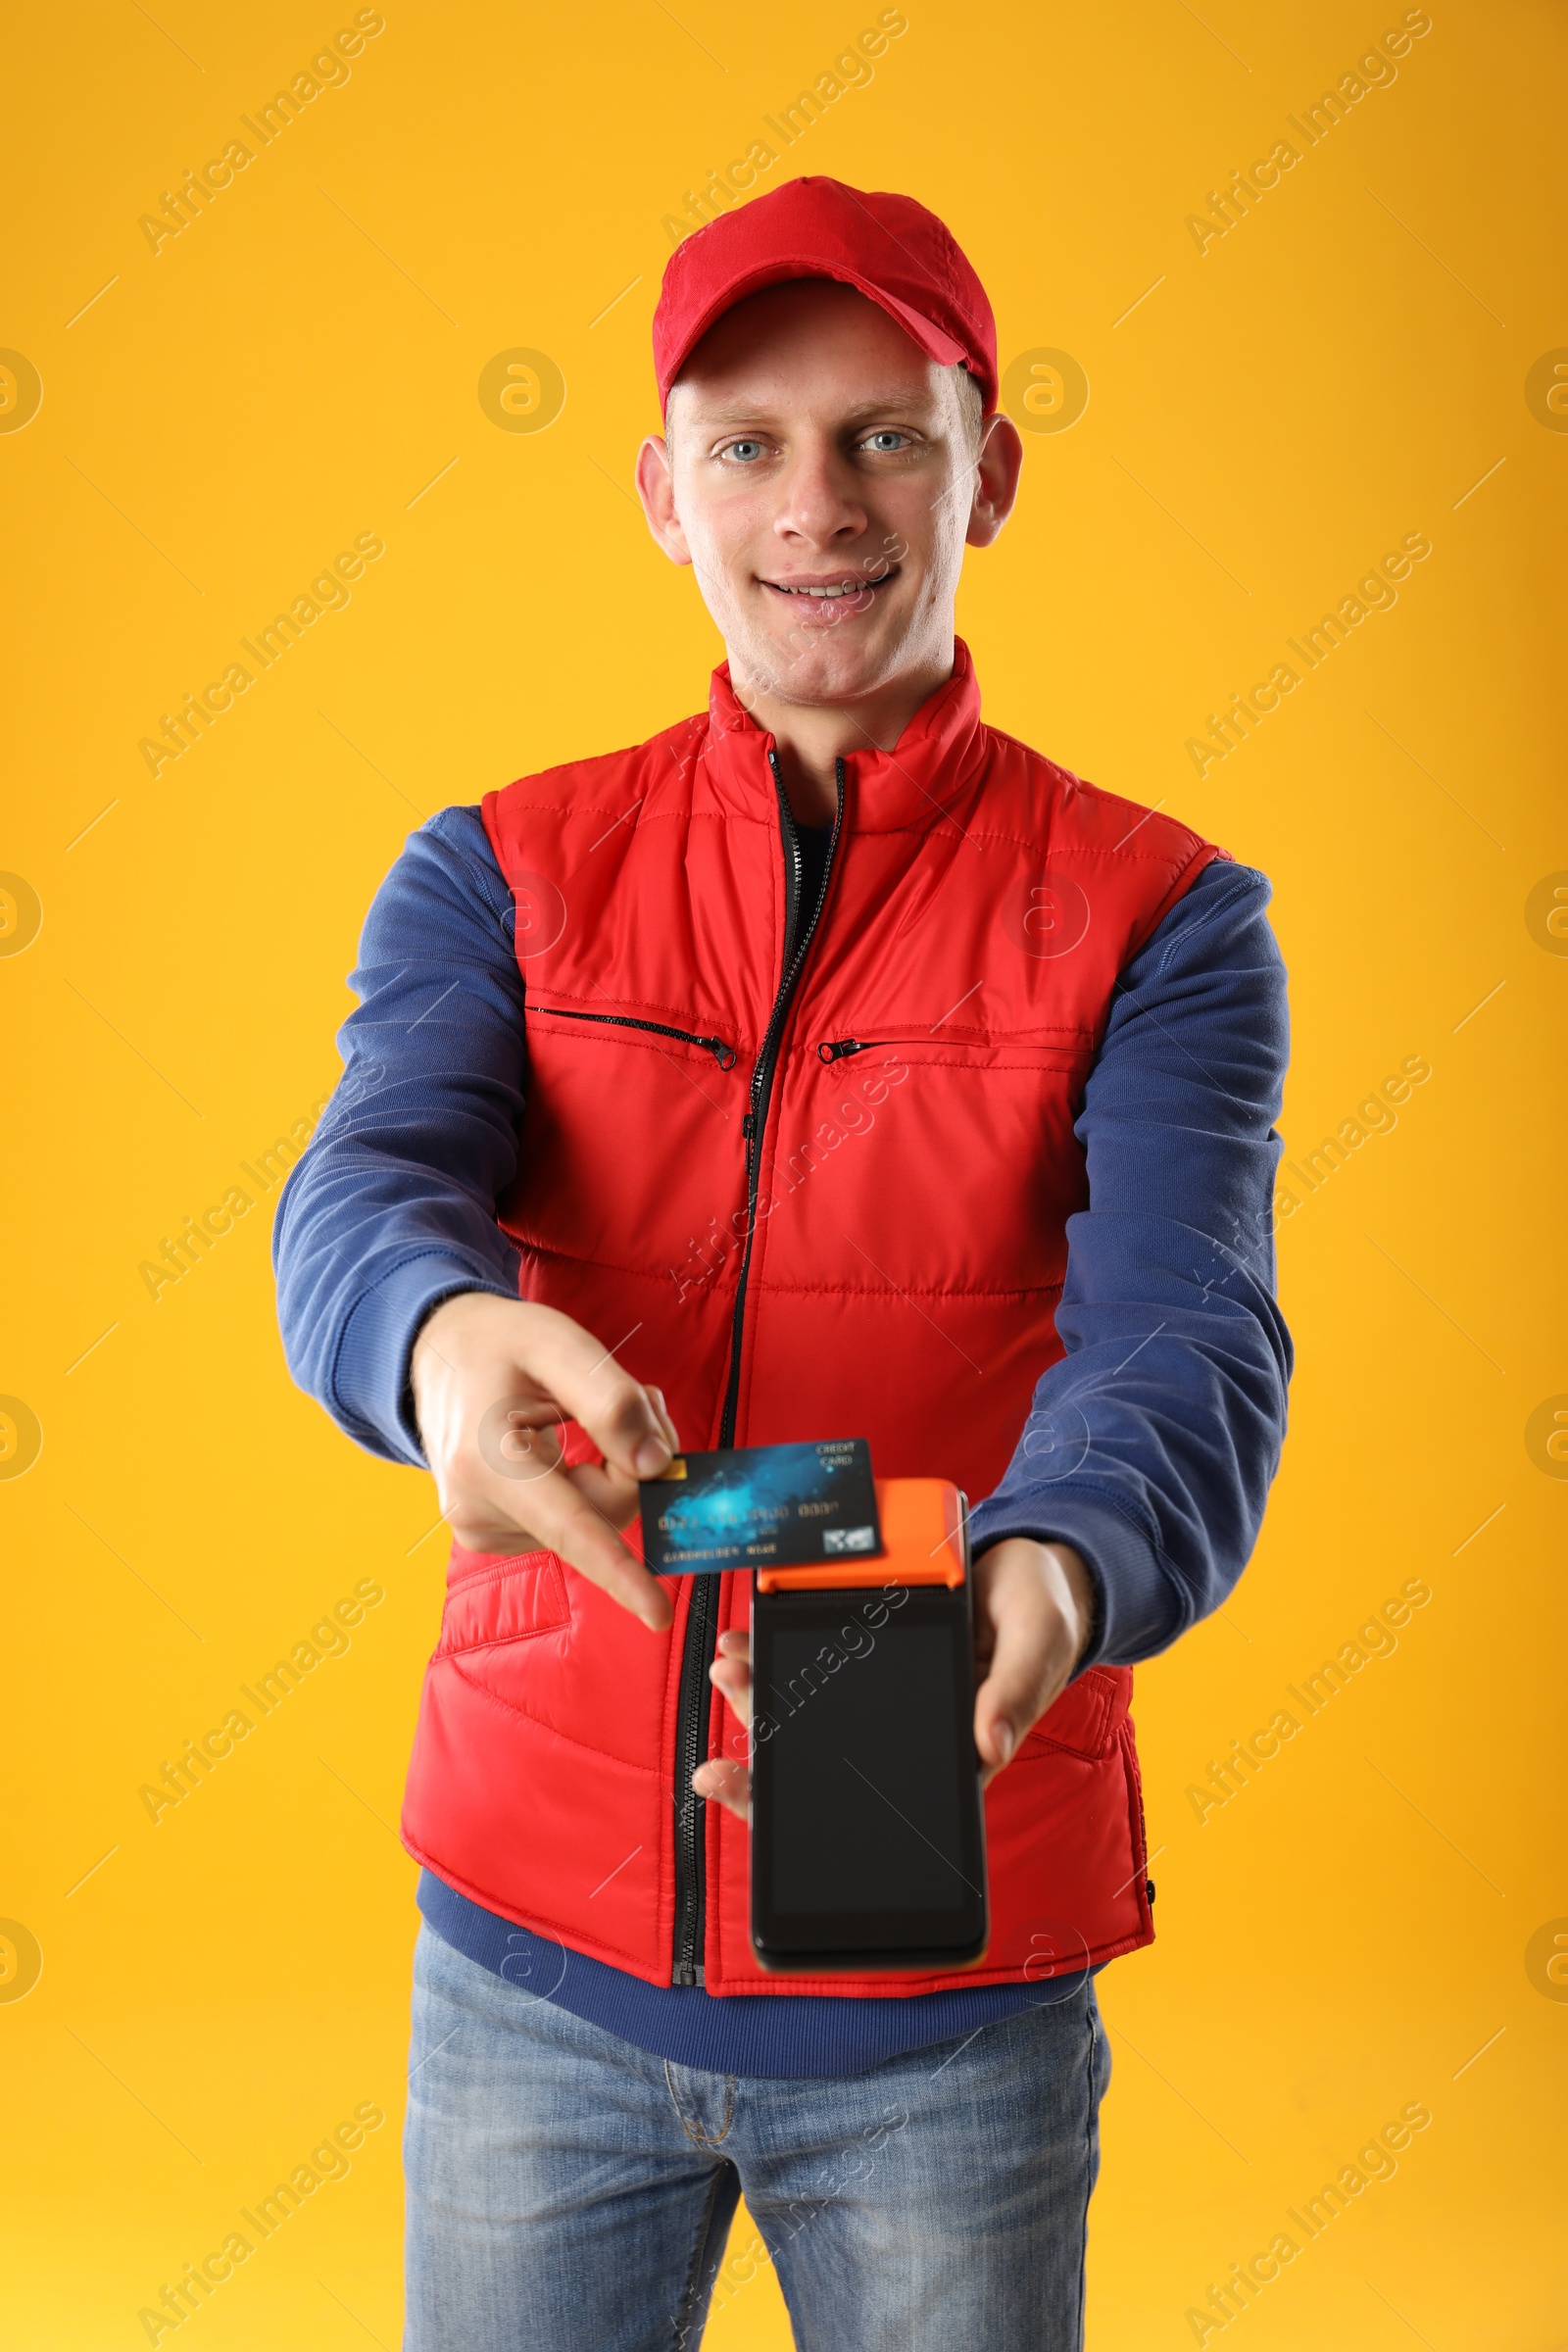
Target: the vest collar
pixel 913 784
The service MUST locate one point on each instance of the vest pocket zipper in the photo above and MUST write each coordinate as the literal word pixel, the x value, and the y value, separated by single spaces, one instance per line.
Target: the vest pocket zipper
pixel 724 1054
pixel 1050 1057
pixel 839 1048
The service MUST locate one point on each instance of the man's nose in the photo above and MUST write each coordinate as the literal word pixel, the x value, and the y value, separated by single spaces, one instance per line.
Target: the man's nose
pixel 820 504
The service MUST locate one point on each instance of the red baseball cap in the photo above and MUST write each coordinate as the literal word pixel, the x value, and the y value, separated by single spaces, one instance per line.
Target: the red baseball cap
pixel 890 248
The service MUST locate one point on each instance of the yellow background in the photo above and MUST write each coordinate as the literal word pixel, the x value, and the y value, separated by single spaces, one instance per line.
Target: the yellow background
pixel 294 370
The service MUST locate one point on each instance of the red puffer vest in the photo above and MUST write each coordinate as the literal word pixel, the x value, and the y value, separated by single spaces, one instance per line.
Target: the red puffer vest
pixel 813 1181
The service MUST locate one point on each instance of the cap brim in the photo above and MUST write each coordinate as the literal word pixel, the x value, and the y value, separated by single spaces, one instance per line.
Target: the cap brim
pixel 920 330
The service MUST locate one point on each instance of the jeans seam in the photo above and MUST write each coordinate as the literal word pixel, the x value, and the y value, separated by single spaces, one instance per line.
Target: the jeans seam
pixel 1089 2131
pixel 694 2277
pixel 701 2139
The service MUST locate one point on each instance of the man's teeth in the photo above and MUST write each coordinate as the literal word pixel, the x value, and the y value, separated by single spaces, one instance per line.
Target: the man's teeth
pixel 852 588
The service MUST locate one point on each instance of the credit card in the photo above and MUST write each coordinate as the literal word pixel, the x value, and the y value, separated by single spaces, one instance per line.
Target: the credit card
pixel 762 1506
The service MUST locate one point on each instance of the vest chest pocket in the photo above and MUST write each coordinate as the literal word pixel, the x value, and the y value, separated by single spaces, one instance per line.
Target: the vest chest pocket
pixel 1037 1080
pixel 955 1169
pixel 629 1144
pixel 510 1601
pixel 722 1050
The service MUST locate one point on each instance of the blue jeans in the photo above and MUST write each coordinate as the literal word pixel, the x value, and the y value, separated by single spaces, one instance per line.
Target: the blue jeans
pixel 569 2192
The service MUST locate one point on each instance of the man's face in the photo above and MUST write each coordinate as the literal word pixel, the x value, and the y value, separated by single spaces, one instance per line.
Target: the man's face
pixel 821 479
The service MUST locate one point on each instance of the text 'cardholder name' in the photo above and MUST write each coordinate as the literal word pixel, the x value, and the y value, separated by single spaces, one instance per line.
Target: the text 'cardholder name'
pixel 762 1506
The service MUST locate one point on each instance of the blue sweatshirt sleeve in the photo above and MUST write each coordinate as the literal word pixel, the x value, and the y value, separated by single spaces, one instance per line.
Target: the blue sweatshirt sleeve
pixel 1151 1443
pixel 392 1206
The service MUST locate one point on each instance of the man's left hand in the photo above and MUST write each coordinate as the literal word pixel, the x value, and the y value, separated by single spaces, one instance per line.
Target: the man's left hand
pixel 1033 1610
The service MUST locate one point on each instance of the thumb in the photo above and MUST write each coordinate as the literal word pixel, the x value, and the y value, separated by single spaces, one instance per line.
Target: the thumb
pixel 1012 1698
pixel 1030 1656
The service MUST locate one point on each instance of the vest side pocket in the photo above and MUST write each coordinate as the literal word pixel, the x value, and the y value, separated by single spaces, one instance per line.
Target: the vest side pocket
pixel 1086 1719
pixel 510 1600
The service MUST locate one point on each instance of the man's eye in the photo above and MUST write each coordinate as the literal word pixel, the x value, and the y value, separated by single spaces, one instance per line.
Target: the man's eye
pixel 886 442
pixel 748 452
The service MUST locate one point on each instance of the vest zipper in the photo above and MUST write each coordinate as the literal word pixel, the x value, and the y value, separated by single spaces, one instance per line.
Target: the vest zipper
pixel 694 1705
pixel 722 1053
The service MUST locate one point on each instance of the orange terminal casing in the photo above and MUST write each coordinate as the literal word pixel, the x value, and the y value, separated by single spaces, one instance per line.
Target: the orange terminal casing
pixel 924 1539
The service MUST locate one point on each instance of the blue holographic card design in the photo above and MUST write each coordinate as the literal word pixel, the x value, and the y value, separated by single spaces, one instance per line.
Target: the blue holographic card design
pixel 762 1506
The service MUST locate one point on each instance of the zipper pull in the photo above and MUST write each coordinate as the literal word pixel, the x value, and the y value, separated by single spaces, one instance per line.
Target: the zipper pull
pixel 839 1049
pixel 748 1127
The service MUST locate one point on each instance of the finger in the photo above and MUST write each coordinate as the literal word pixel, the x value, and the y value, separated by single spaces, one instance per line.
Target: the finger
pixel 731 1673
pixel 666 1423
pixel 735 1645
pixel 551 1513
pixel 616 1410
pixel 616 1497
pixel 1015 1691
pixel 725 1784
pixel 584 1537
pixel 518 1478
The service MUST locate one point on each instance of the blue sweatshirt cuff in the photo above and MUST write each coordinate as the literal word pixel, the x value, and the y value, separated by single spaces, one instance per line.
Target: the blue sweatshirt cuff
pixel 370 1392
pixel 1137 1607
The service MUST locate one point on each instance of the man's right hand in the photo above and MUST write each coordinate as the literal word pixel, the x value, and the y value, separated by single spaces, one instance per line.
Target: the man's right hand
pixel 493 1379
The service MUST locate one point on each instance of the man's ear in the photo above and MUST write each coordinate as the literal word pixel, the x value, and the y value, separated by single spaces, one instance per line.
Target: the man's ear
pixel 996 479
pixel 656 487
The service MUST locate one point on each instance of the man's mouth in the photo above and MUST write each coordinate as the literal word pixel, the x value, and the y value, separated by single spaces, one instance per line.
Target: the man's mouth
pixel 831 588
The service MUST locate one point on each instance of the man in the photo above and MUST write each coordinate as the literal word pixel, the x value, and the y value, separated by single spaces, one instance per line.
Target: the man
pixel 828 1065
